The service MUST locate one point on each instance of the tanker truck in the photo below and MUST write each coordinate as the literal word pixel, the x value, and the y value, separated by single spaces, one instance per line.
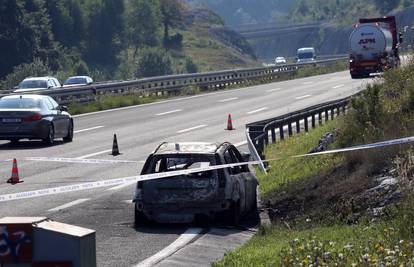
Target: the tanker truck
pixel 374 46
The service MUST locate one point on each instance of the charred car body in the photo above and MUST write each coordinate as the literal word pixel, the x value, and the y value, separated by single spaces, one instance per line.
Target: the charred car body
pixel 227 193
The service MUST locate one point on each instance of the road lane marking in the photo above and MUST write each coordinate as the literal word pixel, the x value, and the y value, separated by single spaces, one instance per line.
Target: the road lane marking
pixel 70 204
pixel 240 144
pixel 273 90
pixel 168 112
pixel 129 201
pixel 192 129
pixel 121 186
pixel 302 97
pixel 257 110
pixel 88 129
pixel 95 154
pixel 228 99
pixel 338 86
pixel 184 239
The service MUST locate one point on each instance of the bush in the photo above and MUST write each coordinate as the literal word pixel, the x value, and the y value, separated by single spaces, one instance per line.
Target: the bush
pixel 36 68
pixel 154 62
pixel 190 66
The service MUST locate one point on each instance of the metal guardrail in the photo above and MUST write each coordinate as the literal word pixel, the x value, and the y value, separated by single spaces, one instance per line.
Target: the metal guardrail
pixel 173 84
pixel 269 131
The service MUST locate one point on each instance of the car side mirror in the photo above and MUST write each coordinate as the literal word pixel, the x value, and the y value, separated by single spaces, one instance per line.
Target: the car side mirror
pixel 49 87
pixel 16 87
pixel 246 156
pixel 63 108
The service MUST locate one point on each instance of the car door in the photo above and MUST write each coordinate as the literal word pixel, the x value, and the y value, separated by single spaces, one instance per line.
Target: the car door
pixel 60 120
pixel 236 177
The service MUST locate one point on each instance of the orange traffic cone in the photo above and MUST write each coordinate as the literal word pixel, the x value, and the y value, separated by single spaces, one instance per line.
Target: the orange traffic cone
pixel 230 124
pixel 115 149
pixel 14 179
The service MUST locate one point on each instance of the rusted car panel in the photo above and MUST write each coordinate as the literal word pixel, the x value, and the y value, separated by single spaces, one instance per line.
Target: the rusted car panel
pixel 180 199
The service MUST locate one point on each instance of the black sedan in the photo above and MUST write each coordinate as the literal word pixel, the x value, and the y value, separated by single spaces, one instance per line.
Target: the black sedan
pixel 34 117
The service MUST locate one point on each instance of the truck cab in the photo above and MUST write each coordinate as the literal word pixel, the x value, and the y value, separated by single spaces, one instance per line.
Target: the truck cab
pixel 306 54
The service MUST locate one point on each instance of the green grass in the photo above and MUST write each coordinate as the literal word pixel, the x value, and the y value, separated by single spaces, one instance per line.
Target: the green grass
pixel 287 169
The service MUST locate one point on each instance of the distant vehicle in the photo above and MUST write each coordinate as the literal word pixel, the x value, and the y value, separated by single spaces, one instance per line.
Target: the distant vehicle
pixel 374 46
pixel 280 60
pixel 37 83
pixel 306 54
pixel 34 117
pixel 226 193
pixel 78 80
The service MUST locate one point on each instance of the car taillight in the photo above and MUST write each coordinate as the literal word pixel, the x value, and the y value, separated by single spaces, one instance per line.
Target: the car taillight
pixel 35 117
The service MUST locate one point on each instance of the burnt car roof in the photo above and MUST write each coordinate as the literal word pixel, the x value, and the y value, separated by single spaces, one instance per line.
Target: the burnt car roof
pixel 187 148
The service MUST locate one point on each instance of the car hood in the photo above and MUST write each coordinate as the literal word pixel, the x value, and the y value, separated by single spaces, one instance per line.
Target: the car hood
pixel 28 90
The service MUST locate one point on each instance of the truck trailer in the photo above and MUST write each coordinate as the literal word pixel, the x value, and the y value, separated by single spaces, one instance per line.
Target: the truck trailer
pixel 374 47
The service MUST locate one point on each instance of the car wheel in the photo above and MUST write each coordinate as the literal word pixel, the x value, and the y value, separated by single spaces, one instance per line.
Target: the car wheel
pixel 140 218
pixel 69 136
pixel 50 136
pixel 233 214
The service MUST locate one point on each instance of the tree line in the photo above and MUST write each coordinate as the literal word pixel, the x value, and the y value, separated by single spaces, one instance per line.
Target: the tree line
pixel 88 36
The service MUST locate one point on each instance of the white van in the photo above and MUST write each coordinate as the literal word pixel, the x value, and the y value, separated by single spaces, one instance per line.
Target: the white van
pixel 306 54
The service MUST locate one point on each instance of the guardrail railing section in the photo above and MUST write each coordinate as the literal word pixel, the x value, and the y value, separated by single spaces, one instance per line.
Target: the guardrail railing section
pixel 270 131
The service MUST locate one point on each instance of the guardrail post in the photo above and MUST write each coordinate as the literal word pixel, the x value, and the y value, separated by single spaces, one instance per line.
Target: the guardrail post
pixel 344 108
pixel 306 124
pixel 266 137
pixel 290 128
pixel 313 121
pixel 273 135
pixel 260 148
pixel 320 118
pixel 332 113
pixel 338 110
pixel 281 132
pixel 298 126
pixel 326 114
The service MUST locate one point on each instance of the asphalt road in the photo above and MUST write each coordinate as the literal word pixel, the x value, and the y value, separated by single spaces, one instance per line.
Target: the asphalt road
pixel 139 130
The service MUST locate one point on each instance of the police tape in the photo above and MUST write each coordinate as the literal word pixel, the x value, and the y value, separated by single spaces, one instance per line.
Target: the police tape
pixel 79 160
pixel 114 182
pixel 153 176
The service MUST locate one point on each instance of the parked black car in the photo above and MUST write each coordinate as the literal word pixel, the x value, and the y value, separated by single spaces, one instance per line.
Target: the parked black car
pixel 227 193
pixel 34 117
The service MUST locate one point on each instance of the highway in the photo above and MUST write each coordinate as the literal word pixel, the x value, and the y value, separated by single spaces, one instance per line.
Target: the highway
pixel 139 130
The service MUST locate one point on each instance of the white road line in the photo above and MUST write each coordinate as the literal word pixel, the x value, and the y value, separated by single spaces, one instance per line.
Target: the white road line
pixel 179 243
pixel 95 154
pixel 338 86
pixel 192 128
pixel 168 112
pixel 273 90
pixel 240 144
pixel 302 97
pixel 70 204
pixel 88 129
pixel 228 99
pixel 118 187
pixel 129 201
pixel 257 110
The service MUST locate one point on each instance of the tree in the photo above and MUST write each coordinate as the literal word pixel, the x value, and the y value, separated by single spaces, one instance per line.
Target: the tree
pixel 154 62
pixel 171 16
pixel 143 23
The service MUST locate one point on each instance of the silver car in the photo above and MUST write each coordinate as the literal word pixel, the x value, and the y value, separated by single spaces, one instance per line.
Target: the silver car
pixel 77 81
pixel 34 117
pixel 224 194
pixel 37 83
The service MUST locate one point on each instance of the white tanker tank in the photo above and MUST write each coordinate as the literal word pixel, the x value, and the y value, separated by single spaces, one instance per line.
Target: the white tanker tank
pixel 370 41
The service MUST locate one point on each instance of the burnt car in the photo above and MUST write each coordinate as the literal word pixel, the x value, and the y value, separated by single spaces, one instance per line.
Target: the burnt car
pixel 226 193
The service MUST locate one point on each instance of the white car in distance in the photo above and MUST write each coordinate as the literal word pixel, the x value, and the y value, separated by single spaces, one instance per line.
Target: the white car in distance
pixel 280 60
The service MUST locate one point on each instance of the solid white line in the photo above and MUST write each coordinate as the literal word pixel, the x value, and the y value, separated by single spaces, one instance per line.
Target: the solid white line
pixel 95 154
pixel 192 128
pixel 228 99
pixel 338 86
pixel 273 90
pixel 88 129
pixel 240 144
pixel 70 204
pixel 178 244
pixel 302 97
pixel 257 110
pixel 168 112
pixel 118 187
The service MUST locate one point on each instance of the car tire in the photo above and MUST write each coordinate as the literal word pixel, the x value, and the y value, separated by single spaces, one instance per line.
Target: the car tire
pixel 49 140
pixel 232 216
pixel 69 136
pixel 140 219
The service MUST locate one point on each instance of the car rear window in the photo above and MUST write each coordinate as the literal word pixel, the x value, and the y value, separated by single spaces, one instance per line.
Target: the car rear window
pixel 33 84
pixel 19 103
pixel 75 81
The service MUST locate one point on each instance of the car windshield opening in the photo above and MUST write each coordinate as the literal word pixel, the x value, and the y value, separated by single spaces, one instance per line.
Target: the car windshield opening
pixel 305 55
pixel 167 163
pixel 19 103
pixel 33 84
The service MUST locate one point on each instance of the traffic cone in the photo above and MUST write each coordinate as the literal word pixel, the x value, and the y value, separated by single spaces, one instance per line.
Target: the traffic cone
pixel 115 149
pixel 14 179
pixel 230 124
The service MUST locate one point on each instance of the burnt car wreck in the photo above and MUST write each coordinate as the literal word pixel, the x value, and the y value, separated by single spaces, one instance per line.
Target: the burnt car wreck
pixel 227 193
